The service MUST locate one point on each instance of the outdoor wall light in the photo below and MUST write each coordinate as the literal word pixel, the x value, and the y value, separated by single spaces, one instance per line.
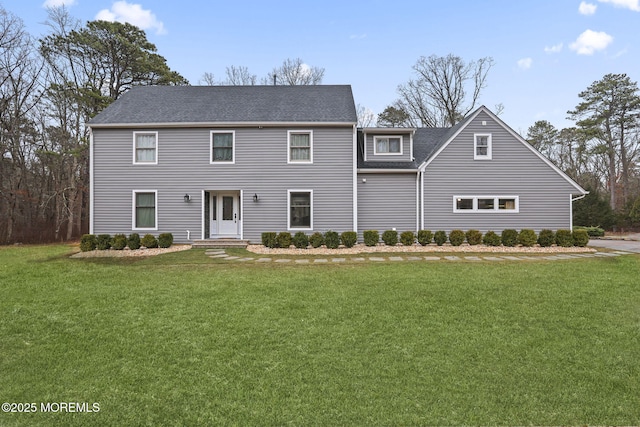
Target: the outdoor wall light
pixel 255 198
pixel 187 198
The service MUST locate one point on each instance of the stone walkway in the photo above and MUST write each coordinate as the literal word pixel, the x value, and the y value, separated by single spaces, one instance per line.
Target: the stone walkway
pixel 222 255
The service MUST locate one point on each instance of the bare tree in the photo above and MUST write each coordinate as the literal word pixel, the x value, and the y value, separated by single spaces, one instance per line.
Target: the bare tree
pixel 295 72
pixel 207 79
pixel 240 76
pixel 446 89
pixel 365 116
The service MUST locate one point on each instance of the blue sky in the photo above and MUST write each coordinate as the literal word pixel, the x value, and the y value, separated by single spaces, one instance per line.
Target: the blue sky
pixel 545 51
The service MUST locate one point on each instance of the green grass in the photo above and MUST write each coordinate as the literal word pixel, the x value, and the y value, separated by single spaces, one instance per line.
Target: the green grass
pixel 181 339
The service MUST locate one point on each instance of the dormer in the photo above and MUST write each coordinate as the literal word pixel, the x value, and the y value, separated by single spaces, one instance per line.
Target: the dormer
pixel 388 144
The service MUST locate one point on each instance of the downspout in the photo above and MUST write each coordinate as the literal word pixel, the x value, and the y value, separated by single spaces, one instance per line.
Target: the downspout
pixel 418 201
pixel 571 209
pixel 91 187
pixel 422 199
pixel 355 178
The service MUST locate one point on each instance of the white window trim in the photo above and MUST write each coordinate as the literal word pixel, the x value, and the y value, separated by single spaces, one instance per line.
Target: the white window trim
pixel 496 206
pixel 375 145
pixel 133 210
pixel 289 228
pixel 233 147
pixel 155 162
pixel 476 156
pixel 299 132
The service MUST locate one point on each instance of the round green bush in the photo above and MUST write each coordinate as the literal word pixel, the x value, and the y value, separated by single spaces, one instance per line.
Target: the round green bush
pixel 270 239
pixel 119 242
pixel 371 237
pixel 88 242
pixel 440 237
pixel 425 237
pixel 133 241
pixel 103 242
pixel 149 241
pixel 283 239
pixel 580 238
pixel 509 237
pixel 564 238
pixel 527 237
pixel 349 238
pixel 407 238
pixel 300 240
pixel 332 239
pixel 456 237
pixel 546 238
pixel 165 240
pixel 316 240
pixel 390 237
pixel 474 237
pixel 491 238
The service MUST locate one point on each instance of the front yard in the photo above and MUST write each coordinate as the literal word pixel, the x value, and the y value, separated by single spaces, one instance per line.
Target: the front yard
pixel 181 339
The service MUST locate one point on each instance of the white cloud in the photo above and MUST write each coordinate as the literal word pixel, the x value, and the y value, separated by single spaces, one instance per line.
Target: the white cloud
pixel 358 36
pixel 626 4
pixel 58 3
pixel 525 63
pixel 591 41
pixel 587 8
pixel 134 14
pixel 554 49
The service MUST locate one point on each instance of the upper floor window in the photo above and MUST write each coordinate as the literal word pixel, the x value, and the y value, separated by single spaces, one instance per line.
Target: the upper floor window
pixel 387 145
pixel 144 210
pixel 482 146
pixel 145 148
pixel 300 147
pixel 222 146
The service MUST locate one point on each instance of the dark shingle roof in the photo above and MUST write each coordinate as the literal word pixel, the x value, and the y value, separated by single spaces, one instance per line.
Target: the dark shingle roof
pixel 231 104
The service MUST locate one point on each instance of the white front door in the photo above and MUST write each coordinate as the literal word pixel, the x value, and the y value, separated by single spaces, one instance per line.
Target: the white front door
pixel 225 214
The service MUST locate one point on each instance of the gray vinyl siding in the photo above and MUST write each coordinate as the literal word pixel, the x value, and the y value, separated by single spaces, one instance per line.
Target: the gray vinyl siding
pixel 387 201
pixel 544 195
pixel 260 168
pixel 372 157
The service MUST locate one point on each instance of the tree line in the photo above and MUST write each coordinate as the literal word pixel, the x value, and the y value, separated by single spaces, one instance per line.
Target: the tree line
pixel 52 86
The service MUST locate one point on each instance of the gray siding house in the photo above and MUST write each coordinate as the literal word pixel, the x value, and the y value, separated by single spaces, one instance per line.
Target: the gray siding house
pixel 235 161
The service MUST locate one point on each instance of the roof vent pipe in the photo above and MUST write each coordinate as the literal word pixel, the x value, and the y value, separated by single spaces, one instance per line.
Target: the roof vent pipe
pixel 274 79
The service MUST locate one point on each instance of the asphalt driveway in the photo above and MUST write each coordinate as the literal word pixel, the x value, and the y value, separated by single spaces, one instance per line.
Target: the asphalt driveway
pixel 628 244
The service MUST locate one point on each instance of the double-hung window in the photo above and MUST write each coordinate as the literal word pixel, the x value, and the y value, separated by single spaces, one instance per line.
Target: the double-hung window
pixel 145 213
pixel 300 146
pixel 482 146
pixel 300 210
pixel 222 146
pixel 506 204
pixel 145 148
pixel 387 145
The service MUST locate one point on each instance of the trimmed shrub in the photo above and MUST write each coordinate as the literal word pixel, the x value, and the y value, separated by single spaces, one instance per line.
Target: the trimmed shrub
pixel 456 237
pixel 88 242
pixel 283 240
pixel 591 231
pixel 316 239
pixel 440 237
pixel 407 238
pixel 349 238
pixel 564 238
pixel 546 238
pixel 527 237
pixel 580 238
pixel 509 237
pixel 491 238
pixel 390 237
pixel 103 242
pixel 165 240
pixel 425 237
pixel 119 242
pixel 149 241
pixel 371 237
pixel 133 241
pixel 300 240
pixel 474 237
pixel 269 239
pixel 332 239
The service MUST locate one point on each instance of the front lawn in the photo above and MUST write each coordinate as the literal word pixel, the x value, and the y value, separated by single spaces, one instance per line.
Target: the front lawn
pixel 181 339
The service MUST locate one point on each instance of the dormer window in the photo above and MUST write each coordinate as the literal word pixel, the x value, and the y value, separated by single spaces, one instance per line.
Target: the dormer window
pixel 387 145
pixel 482 146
